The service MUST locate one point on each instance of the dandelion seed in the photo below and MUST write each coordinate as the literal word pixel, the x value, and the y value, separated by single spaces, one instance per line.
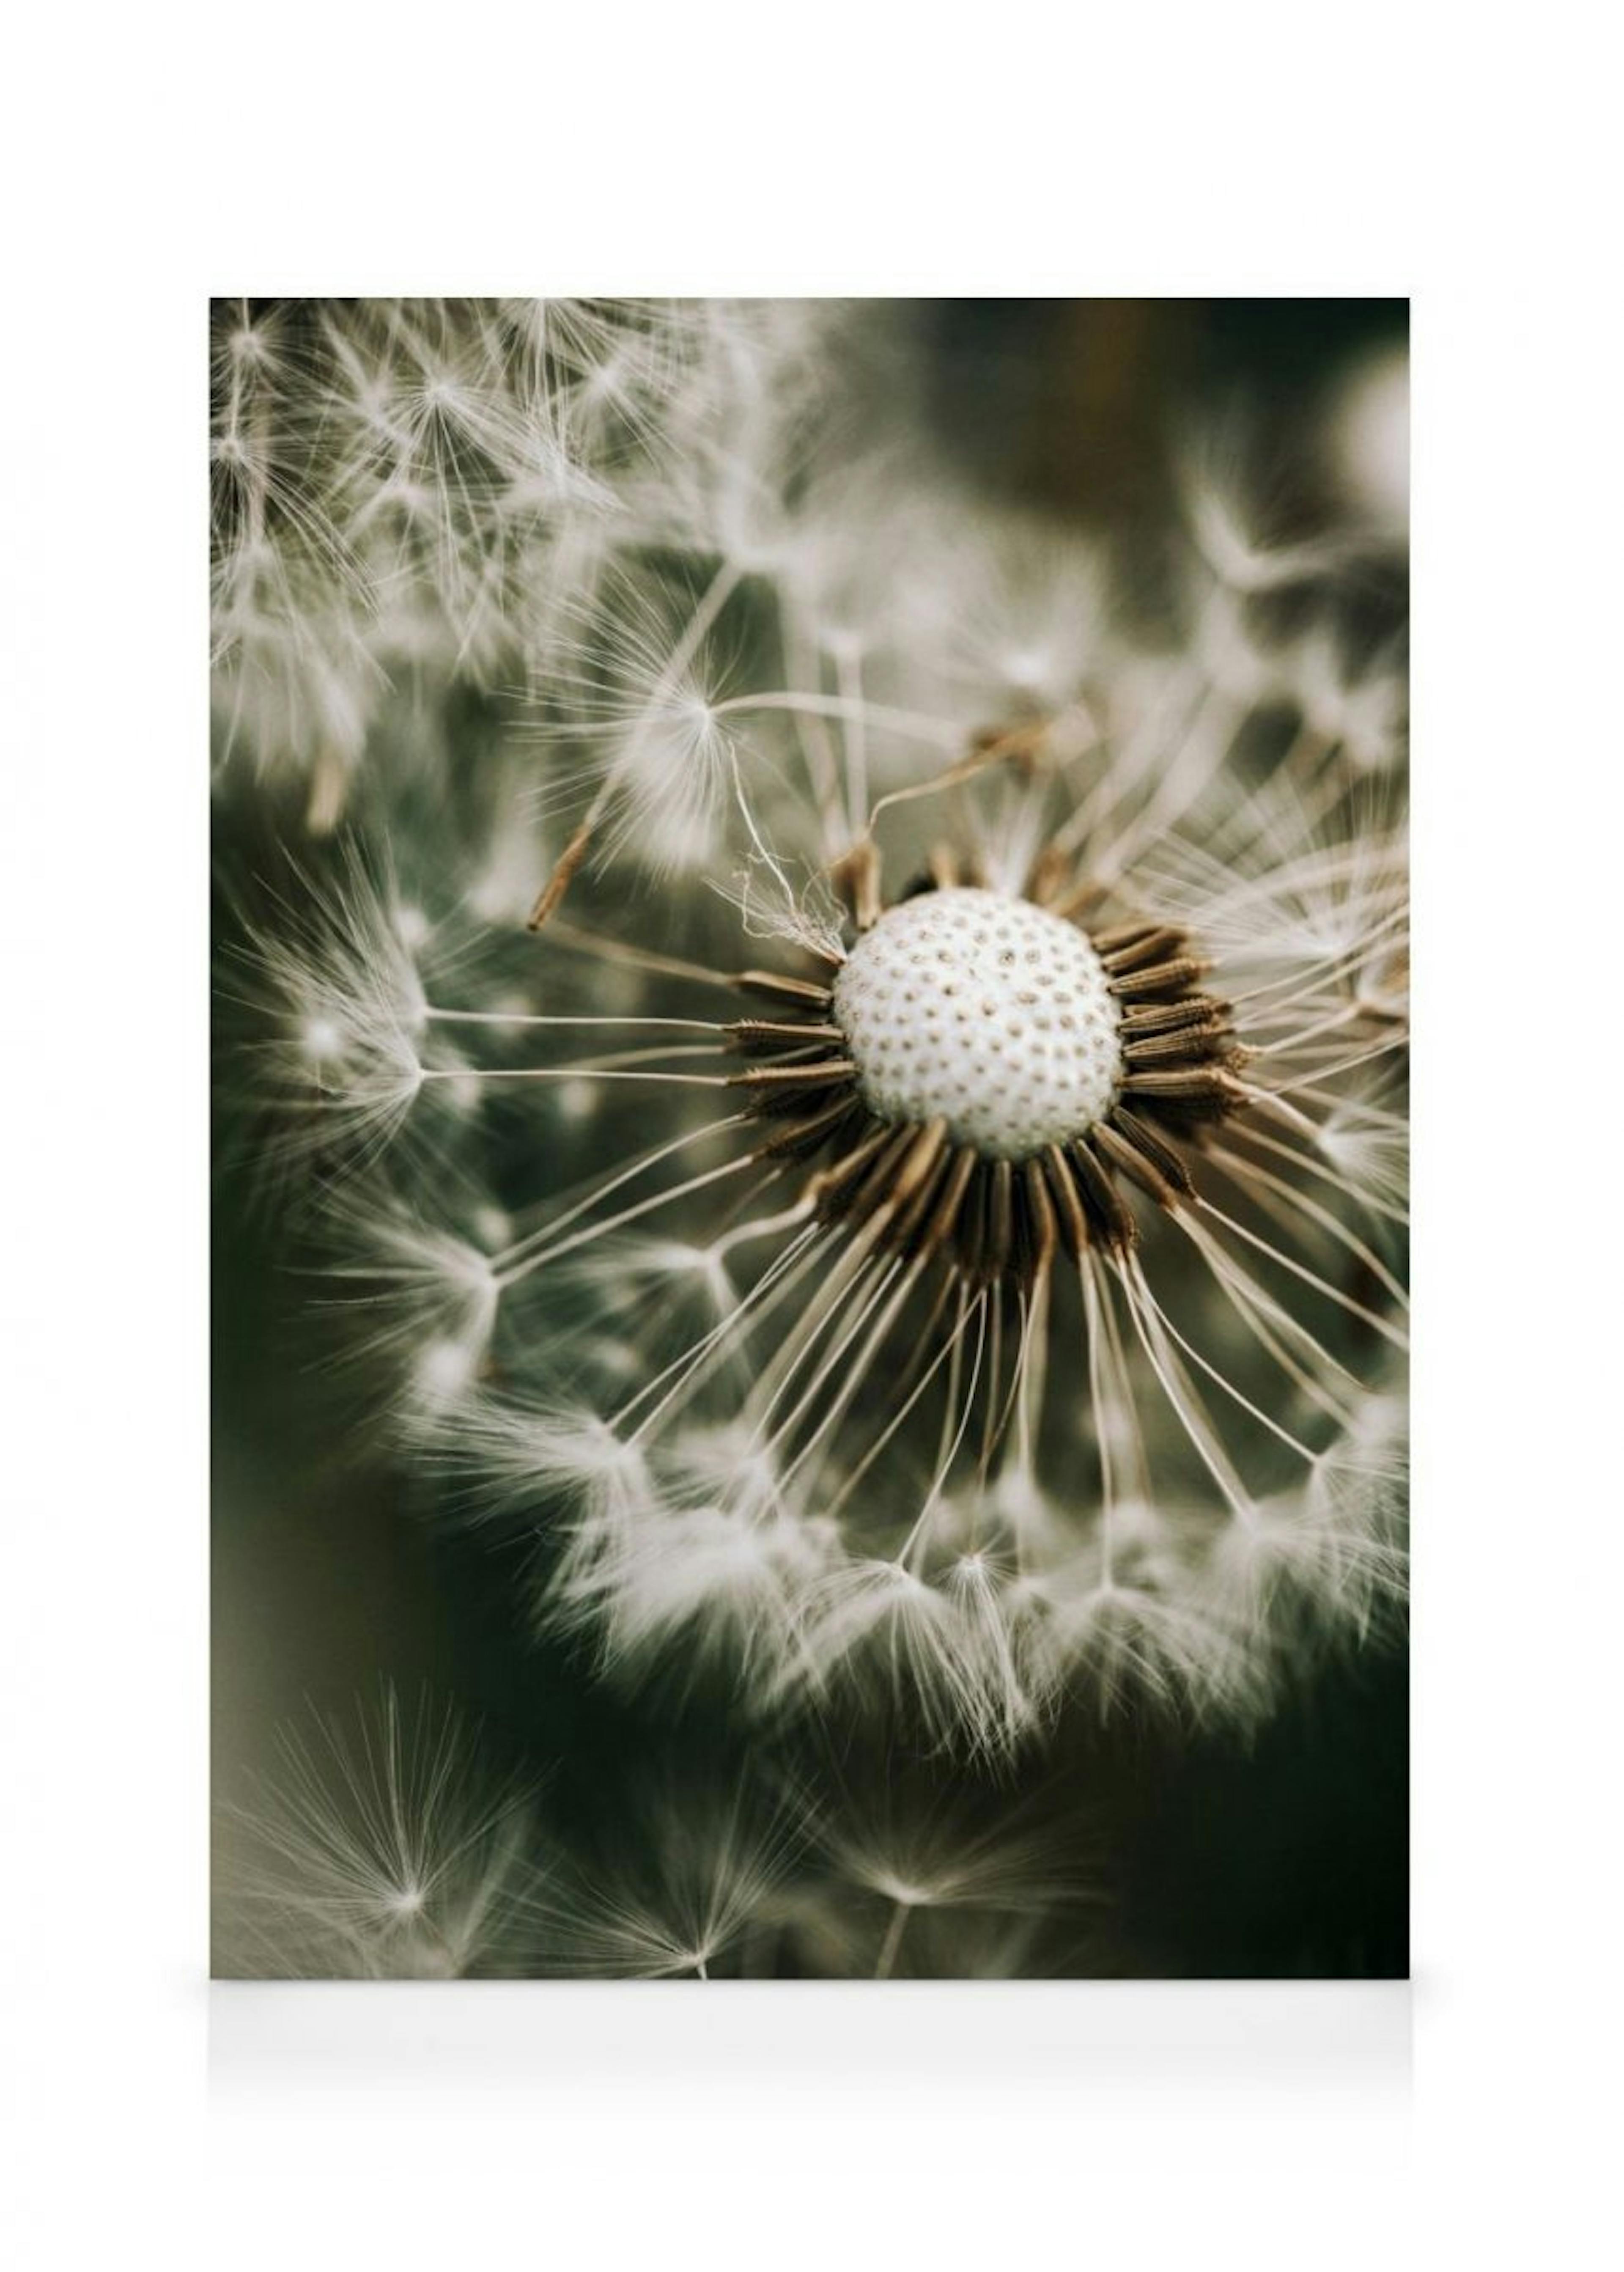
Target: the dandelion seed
pixel 703 1873
pixel 382 1851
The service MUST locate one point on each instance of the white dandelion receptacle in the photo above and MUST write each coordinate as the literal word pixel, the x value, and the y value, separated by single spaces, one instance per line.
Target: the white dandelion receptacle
pixel 986 1013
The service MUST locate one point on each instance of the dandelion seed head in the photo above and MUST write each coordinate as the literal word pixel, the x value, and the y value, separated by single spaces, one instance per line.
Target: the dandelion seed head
pixel 909 1304
pixel 944 1128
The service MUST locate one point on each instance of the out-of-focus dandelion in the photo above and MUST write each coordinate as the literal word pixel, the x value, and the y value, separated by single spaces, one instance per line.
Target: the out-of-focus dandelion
pixel 400 488
pixel 691 1892
pixel 385 1846
pixel 381 1850
pixel 1369 437
pixel 903 1868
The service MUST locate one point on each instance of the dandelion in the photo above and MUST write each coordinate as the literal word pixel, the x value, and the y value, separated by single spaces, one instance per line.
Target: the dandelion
pixel 1052 1168
pixel 975 1242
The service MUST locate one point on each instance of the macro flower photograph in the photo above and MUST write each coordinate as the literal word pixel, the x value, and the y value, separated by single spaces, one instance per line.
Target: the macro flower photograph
pixel 809 925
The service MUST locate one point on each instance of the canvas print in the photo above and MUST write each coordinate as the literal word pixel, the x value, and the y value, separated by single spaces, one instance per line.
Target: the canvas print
pixel 809 998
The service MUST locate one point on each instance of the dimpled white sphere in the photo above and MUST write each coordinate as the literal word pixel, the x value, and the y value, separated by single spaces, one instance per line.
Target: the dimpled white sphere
pixel 984 1012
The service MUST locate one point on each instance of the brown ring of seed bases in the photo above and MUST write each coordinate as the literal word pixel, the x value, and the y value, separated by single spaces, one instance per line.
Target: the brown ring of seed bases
pixel 913 1192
